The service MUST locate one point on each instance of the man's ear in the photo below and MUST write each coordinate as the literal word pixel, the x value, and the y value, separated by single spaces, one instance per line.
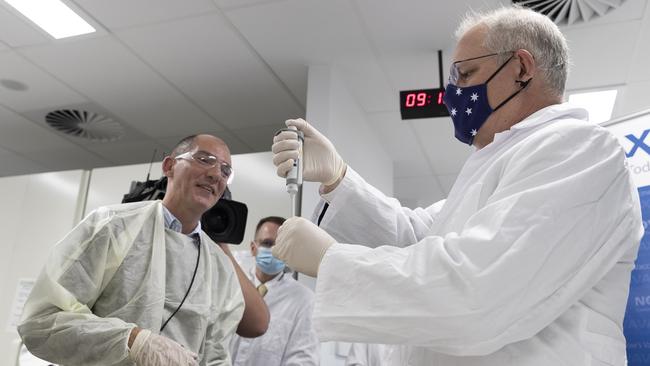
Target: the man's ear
pixel 167 165
pixel 527 65
pixel 253 249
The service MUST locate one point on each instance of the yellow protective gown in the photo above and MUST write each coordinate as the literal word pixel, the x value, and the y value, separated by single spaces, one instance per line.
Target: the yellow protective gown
pixel 527 263
pixel 120 267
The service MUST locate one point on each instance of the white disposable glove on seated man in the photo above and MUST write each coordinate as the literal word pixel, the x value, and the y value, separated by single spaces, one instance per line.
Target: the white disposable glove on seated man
pixel 302 245
pixel 150 349
pixel 321 162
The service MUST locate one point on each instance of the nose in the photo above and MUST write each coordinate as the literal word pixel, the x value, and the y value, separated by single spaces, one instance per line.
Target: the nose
pixel 214 174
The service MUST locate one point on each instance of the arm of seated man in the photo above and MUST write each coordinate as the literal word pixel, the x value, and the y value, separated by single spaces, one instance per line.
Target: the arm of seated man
pixel 256 316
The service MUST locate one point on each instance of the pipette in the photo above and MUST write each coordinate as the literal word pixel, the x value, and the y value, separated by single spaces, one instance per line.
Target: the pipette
pixel 294 177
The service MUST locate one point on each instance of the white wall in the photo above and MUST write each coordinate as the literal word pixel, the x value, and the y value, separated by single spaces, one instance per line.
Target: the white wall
pixel 37 210
pixel 332 109
pixel 108 185
pixel 335 113
pixel 257 185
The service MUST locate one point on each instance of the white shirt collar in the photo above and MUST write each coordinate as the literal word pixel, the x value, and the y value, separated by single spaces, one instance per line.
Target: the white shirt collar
pixel 270 283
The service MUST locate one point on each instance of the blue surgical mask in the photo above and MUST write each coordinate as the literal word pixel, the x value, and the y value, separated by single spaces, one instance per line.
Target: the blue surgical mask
pixel 469 107
pixel 267 263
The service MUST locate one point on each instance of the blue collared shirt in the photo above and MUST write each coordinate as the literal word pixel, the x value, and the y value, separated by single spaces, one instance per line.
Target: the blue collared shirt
pixel 171 222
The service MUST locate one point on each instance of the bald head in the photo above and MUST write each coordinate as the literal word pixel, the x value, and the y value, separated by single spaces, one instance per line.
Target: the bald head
pixel 188 143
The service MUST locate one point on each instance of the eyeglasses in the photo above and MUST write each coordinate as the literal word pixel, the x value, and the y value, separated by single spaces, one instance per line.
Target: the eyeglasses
pixel 208 162
pixel 455 74
pixel 266 243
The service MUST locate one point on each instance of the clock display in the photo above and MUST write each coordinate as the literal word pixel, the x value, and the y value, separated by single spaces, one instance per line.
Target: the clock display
pixel 423 103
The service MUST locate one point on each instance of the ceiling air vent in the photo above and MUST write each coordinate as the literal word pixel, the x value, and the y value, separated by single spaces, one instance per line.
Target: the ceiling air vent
pixel 569 12
pixel 84 124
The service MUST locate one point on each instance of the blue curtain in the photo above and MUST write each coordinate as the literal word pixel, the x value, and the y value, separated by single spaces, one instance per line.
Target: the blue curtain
pixel 637 316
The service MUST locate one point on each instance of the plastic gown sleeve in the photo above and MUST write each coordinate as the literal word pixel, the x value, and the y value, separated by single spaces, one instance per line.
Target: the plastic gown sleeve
pixel 219 333
pixel 58 324
pixel 559 218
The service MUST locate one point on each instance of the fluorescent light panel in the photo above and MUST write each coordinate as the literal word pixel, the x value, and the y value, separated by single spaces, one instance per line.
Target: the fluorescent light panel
pixel 53 16
pixel 599 104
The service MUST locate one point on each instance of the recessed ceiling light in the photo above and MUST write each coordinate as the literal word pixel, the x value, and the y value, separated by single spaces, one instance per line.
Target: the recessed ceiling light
pixel 13 85
pixel 53 16
pixel 600 104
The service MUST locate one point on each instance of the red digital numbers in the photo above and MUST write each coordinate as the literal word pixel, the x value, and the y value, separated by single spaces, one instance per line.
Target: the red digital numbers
pixel 417 99
pixel 440 95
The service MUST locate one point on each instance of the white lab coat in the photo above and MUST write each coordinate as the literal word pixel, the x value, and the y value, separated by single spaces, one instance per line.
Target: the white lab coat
pixel 527 263
pixel 290 339
pixel 364 354
pixel 120 267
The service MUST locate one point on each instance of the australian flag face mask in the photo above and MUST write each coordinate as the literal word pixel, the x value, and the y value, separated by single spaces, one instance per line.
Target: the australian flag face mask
pixel 469 107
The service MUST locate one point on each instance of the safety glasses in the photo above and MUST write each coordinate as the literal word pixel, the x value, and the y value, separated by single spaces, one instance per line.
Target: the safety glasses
pixel 454 72
pixel 209 161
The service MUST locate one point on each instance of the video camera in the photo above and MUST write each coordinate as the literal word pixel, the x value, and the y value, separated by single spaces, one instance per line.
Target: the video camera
pixel 225 222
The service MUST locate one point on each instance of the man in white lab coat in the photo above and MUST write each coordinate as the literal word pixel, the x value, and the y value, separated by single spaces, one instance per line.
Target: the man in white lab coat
pixel 290 339
pixel 366 354
pixel 526 263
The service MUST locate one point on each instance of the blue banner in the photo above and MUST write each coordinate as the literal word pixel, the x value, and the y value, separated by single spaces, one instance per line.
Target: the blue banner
pixel 636 325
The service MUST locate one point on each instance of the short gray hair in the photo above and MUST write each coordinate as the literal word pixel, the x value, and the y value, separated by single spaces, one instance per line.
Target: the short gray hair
pixel 512 28
pixel 184 145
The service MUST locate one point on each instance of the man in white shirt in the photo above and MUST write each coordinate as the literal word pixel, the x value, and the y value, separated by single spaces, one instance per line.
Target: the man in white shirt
pixel 290 339
pixel 526 263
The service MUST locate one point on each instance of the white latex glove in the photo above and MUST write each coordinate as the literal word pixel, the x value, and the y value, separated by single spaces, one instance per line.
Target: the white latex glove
pixel 302 245
pixel 150 349
pixel 321 163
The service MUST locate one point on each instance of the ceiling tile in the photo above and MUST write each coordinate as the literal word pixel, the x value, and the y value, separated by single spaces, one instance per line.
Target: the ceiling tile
pixel 234 4
pixel 16 31
pixel 260 137
pixel 235 144
pixel 13 164
pixel 271 28
pixel 22 135
pixel 117 14
pixel 639 70
pixel 419 29
pixel 129 152
pixel 415 71
pixel 43 90
pixel 111 76
pixel 211 64
pixel 67 159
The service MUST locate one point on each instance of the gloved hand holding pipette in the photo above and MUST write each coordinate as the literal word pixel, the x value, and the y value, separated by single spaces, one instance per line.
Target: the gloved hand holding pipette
pixel 321 162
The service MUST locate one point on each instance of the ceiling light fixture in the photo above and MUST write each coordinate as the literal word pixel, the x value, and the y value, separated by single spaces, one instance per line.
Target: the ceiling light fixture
pixel 53 16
